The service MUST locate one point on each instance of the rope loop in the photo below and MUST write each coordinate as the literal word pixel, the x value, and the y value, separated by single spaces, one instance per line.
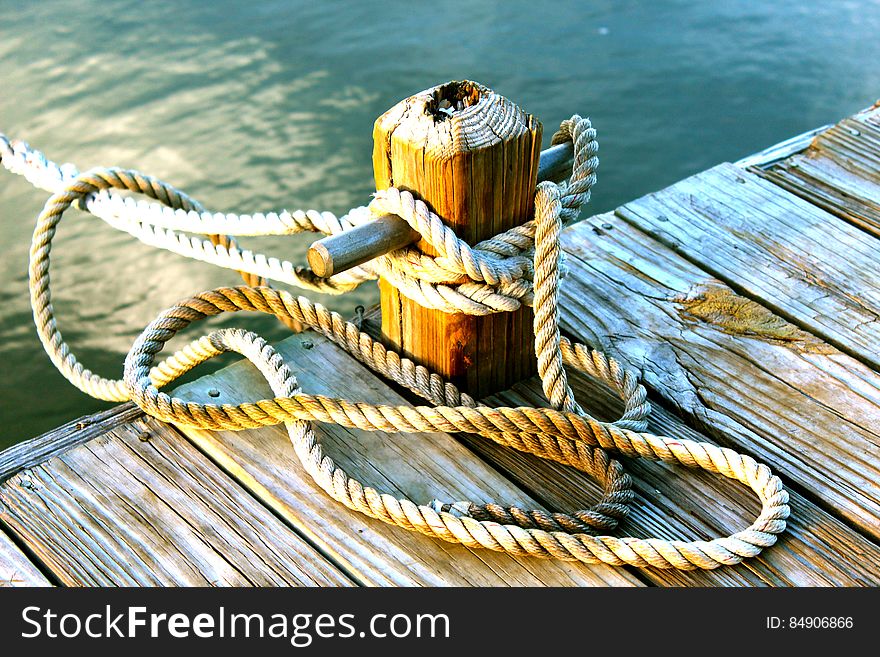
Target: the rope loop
pixel 569 437
pixel 523 265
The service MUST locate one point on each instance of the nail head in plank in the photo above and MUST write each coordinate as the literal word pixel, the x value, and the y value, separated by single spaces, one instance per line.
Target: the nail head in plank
pixel 839 172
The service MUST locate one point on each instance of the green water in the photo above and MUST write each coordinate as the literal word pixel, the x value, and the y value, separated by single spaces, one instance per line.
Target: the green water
pixel 265 105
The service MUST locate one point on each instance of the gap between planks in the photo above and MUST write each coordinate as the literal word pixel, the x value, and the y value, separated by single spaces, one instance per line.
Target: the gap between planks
pixel 801 262
pixel 678 503
pixel 16 568
pixel 838 172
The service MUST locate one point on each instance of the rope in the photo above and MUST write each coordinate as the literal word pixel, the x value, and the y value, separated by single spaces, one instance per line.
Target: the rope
pixel 522 265
pixel 493 276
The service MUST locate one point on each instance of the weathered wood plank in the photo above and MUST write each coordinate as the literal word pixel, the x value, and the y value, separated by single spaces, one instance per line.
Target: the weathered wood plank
pixel 802 262
pixel 681 504
pixel 29 453
pixel 139 505
pixel 421 466
pixel 839 172
pixel 732 368
pixel 15 568
pixel 782 150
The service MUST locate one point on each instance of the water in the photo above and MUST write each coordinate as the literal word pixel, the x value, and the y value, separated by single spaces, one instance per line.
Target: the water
pixel 265 105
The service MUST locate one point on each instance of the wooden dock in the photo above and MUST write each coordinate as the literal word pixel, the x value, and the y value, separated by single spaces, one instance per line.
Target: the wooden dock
pixel 747 294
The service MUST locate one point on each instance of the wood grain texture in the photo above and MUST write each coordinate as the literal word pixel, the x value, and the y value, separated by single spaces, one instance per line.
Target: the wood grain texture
pixel 839 172
pixel 421 466
pixel 803 263
pixel 15 568
pixel 37 450
pixel 138 505
pixel 477 169
pixel 778 152
pixel 732 368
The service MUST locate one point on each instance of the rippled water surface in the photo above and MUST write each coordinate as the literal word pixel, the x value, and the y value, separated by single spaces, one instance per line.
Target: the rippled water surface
pixel 269 105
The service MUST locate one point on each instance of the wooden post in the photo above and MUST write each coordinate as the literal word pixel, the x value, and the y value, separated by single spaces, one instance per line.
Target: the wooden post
pixel 472 156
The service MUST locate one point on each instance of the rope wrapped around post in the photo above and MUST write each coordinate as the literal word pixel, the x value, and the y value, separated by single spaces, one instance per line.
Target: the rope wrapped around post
pixel 522 265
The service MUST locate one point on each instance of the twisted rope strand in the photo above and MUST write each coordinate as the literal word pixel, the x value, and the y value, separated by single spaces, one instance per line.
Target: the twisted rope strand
pixel 522 265
pixel 493 276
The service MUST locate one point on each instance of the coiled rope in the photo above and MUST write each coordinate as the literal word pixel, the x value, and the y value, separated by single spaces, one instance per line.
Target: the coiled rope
pixel 520 266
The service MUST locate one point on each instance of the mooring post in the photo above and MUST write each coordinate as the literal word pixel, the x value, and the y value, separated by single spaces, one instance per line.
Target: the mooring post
pixel 472 156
